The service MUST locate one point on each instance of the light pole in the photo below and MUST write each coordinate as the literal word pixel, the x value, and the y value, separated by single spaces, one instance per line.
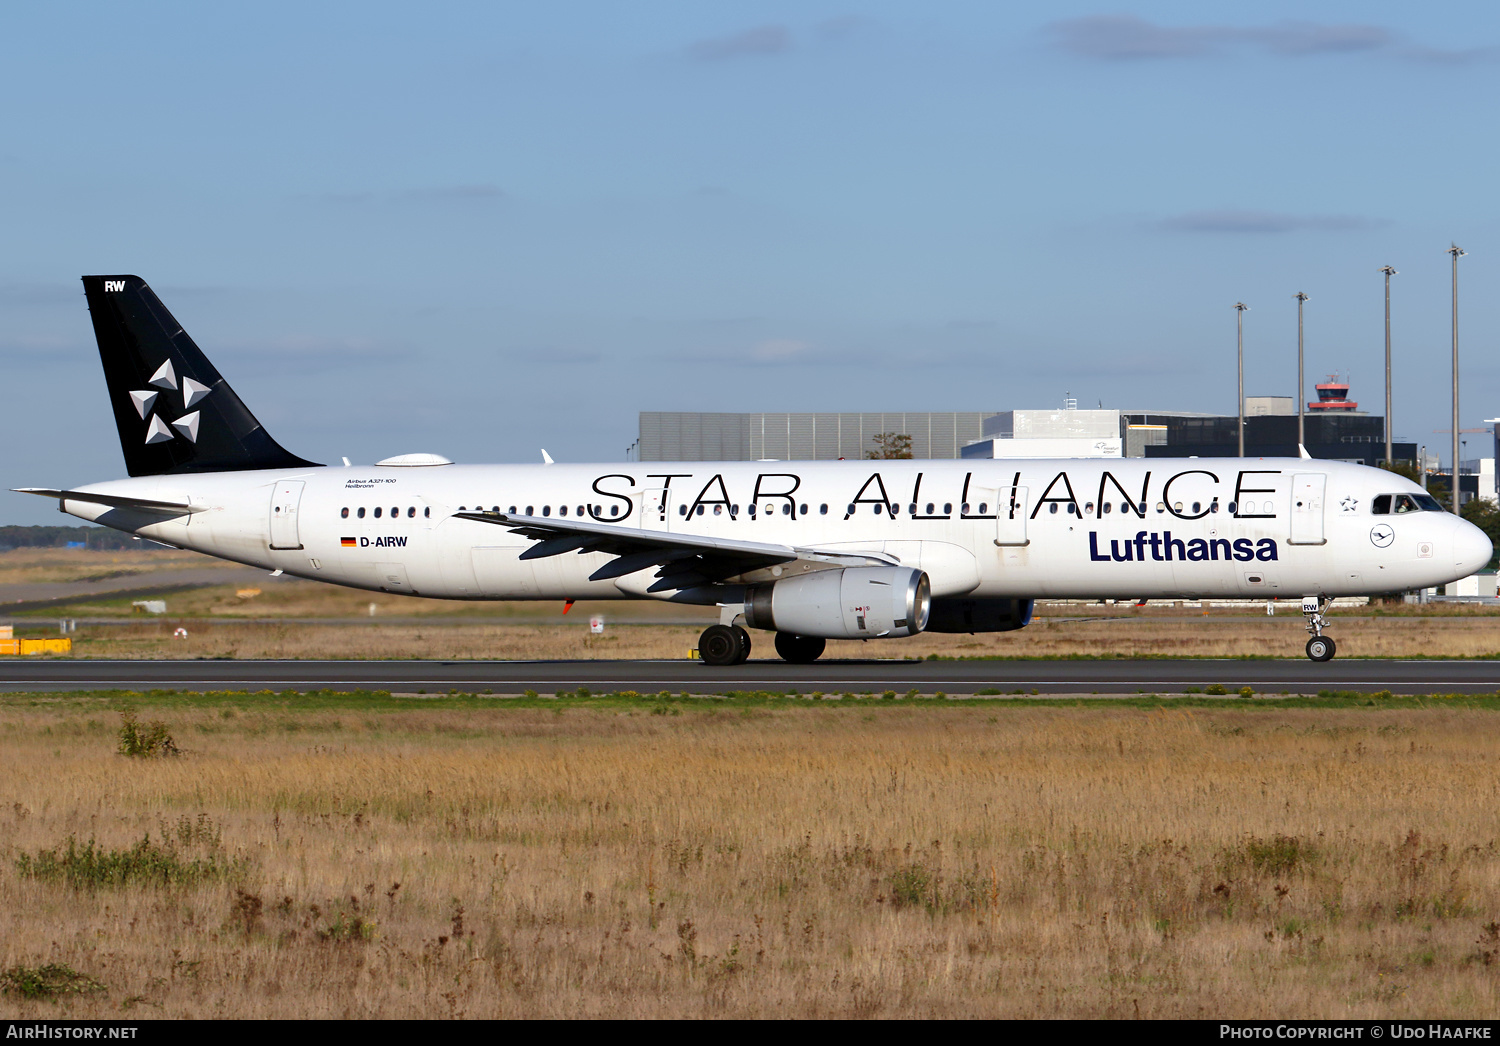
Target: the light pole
pixel 1301 434
pixel 1457 252
pixel 1389 272
pixel 1240 309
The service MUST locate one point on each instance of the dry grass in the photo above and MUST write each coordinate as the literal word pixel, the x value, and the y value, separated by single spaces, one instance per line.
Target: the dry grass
pixel 1219 635
pixel 305 619
pixel 65 564
pixel 878 860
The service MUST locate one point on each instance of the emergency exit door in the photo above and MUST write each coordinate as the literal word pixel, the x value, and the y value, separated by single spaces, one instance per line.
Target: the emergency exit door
pixel 1011 515
pixel 1307 508
pixel 285 498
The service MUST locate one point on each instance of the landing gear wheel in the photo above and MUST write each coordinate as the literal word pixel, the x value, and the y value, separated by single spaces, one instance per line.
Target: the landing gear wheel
pixel 799 650
pixel 744 638
pixel 718 645
pixel 1321 648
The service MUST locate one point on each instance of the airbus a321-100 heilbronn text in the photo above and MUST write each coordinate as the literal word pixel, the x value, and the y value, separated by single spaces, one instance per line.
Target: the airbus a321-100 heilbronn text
pixel 808 550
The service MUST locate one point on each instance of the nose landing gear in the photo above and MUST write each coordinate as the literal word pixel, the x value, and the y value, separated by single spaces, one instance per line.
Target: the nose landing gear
pixel 1319 647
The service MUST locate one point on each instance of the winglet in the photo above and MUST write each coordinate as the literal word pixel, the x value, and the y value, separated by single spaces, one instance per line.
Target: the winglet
pixel 1302 452
pixel 546 458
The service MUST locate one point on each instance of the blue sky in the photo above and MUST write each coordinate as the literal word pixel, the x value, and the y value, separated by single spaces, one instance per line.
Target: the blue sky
pixel 484 229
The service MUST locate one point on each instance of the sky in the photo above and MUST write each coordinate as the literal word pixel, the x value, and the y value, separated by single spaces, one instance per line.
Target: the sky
pixel 484 229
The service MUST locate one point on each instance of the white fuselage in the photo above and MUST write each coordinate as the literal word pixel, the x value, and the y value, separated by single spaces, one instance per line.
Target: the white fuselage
pixel 1121 528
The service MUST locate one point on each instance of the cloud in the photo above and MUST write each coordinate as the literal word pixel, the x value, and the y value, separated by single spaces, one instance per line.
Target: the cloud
pixel 481 192
pixel 758 42
pixel 1450 56
pixel 1236 220
pixel 842 27
pixel 455 194
pixel 779 350
pixel 1127 38
pixel 313 348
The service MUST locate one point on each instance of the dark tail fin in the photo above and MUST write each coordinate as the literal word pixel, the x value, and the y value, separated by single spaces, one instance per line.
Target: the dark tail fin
pixel 175 412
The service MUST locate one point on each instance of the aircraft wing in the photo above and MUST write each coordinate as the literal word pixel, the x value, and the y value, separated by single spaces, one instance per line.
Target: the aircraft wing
pixel 684 560
pixel 174 508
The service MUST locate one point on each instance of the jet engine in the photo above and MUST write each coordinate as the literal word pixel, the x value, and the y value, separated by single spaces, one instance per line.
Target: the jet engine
pixel 979 615
pixel 847 603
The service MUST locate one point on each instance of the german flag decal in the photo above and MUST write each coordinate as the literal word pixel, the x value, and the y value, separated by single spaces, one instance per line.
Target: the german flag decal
pixel 347 542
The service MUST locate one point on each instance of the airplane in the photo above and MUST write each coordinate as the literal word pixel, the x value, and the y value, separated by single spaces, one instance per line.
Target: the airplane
pixel 807 550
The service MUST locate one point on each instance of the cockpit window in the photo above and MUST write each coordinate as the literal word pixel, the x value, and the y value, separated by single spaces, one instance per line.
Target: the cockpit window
pixel 1384 504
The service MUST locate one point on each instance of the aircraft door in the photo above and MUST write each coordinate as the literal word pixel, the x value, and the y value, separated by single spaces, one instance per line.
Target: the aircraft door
pixel 1011 512
pixel 653 508
pixel 1307 508
pixel 285 499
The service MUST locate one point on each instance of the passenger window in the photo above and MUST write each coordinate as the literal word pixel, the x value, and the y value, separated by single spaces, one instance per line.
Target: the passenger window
pixel 1233 508
pixel 396 512
pixel 947 508
pixel 804 510
pixel 513 510
pixel 427 512
pixel 822 510
pixel 343 513
pixel 411 513
pixel 718 510
pixel 614 510
pixel 1088 508
pixel 562 510
pixel 1052 508
pixel 985 507
pixel 929 508
pixel 1160 507
pixel 876 507
pixel 682 510
pixel 530 511
pixel 851 509
pixel 377 512
pixel 1072 508
pixel 360 513
pixel 546 510
pixel 966 509
pixel 1107 507
pixel 895 510
pixel 700 510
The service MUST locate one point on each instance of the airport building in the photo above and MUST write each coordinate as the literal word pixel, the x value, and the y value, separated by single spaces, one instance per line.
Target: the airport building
pixel 694 436
pixel 1334 428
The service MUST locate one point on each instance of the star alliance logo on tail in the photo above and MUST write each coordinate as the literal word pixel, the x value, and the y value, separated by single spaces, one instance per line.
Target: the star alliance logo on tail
pixel 165 379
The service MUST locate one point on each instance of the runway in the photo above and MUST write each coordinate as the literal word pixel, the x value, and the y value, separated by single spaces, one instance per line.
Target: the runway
pixel 951 677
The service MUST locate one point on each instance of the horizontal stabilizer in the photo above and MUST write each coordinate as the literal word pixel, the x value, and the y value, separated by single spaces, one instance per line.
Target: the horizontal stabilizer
pixel 173 508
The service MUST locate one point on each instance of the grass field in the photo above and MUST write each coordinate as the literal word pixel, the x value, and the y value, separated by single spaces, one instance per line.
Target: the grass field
pixel 370 856
pixel 290 618
pixel 1105 633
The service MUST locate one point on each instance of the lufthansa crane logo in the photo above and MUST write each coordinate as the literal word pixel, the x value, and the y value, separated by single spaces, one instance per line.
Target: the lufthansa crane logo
pixel 157 429
pixel 1382 535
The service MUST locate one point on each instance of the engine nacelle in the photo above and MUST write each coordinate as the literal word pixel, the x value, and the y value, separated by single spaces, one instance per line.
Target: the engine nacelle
pixel 979 615
pixel 847 603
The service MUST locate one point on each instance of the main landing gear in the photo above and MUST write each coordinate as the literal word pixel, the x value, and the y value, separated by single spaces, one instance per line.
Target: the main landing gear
pixel 730 645
pixel 799 650
pixel 724 645
pixel 1319 647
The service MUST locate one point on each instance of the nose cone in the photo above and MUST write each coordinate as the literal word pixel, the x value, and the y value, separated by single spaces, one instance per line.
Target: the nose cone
pixel 1471 548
